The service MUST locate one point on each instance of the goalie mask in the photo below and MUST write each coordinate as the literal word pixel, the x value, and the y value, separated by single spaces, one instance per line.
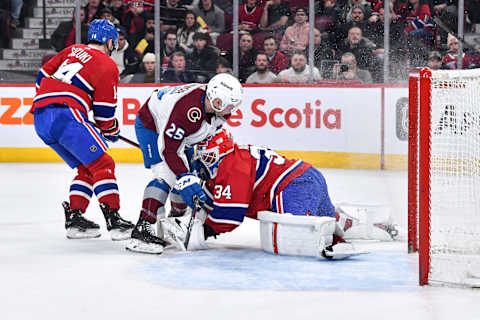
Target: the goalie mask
pixel 210 151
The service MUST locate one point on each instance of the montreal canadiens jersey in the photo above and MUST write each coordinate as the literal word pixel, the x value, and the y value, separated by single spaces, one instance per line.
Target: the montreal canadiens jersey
pixel 248 180
pixel 80 77
pixel 178 115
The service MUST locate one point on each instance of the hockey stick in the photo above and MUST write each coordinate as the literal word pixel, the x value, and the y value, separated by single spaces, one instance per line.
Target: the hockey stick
pixel 130 142
pixel 196 207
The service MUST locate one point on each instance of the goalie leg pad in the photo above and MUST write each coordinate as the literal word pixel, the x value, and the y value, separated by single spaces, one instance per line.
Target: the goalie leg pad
pixel 295 235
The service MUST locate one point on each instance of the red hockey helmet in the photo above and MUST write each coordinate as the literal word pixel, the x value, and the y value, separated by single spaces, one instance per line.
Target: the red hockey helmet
pixel 213 149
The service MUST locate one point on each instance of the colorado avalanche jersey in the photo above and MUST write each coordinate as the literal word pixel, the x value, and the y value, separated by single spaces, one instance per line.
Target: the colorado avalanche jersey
pixel 178 115
pixel 247 182
pixel 80 77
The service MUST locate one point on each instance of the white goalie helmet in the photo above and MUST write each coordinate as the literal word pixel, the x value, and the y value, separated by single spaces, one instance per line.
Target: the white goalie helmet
pixel 228 90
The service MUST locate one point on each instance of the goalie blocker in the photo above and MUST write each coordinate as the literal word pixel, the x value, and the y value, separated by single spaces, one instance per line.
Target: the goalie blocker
pixel 313 236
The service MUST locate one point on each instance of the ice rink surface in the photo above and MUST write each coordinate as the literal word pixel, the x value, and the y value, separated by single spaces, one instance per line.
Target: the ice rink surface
pixel 45 276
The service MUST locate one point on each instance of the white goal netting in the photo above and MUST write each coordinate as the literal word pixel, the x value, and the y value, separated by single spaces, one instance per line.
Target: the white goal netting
pixel 455 177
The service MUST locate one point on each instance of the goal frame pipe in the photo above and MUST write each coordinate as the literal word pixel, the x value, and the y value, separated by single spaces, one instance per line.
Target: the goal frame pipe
pixel 425 100
pixel 413 87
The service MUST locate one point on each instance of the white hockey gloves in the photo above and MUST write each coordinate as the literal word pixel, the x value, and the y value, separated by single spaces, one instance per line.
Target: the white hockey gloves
pixel 188 185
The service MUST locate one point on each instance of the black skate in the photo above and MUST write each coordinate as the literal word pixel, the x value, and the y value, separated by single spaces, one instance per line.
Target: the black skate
pixel 77 226
pixel 118 227
pixel 144 239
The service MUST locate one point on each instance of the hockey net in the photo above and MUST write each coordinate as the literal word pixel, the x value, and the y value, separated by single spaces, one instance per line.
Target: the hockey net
pixel 444 175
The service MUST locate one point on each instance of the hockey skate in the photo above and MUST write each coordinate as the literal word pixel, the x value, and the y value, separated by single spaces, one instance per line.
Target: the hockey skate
pixel 144 239
pixel 77 226
pixel 340 249
pixel 119 228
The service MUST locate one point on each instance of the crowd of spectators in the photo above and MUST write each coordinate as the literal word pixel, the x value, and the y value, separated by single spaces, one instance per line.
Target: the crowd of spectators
pixel 196 38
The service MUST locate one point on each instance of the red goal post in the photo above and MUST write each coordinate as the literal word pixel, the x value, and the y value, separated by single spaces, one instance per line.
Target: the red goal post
pixel 444 175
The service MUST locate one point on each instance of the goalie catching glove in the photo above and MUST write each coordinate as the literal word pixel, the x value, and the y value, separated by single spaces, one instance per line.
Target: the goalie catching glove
pixel 112 133
pixel 188 186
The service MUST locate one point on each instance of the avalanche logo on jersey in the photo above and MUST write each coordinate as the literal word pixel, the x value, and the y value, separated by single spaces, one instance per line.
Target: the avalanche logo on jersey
pixel 194 114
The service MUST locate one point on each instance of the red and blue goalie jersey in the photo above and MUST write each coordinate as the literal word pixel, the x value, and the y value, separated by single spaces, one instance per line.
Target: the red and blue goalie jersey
pixel 82 78
pixel 247 182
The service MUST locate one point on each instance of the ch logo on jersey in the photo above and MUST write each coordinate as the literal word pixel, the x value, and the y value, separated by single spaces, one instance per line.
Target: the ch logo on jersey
pixel 93 148
pixel 194 114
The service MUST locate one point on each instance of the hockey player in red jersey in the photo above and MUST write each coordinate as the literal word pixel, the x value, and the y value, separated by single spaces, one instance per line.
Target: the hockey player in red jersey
pixel 248 181
pixel 80 79
pixel 242 180
pixel 172 119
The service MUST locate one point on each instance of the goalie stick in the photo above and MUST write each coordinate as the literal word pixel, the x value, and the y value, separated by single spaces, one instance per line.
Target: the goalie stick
pixel 196 207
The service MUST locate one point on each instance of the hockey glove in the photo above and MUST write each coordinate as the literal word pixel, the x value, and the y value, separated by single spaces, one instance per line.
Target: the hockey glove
pixel 188 185
pixel 112 134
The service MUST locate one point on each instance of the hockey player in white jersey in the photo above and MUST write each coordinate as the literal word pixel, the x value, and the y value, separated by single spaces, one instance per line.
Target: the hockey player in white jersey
pixel 172 119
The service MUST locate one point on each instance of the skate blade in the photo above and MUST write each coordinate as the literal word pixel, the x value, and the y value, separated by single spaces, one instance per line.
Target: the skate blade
pixel 74 233
pixel 142 247
pixel 118 234
pixel 343 255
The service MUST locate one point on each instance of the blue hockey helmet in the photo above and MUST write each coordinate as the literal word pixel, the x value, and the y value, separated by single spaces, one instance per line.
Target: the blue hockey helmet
pixel 102 30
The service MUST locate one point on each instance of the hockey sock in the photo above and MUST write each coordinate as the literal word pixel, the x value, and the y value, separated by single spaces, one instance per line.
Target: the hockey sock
pixel 154 197
pixel 105 184
pixel 81 189
pixel 179 207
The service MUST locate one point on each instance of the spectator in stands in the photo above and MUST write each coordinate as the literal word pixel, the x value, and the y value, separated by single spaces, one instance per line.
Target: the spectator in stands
pixel 362 49
pixel 118 9
pixel 170 46
pixel 375 32
pixel 419 29
pixel 247 54
pixel 434 60
pixel 107 14
pixel 277 61
pixel 296 36
pixel 447 11
pixel 172 14
pixel 93 10
pixel 135 19
pixel 147 74
pixel 358 19
pixel 213 17
pixel 249 15
pixel 16 9
pixel 323 52
pixel 299 72
pixel 144 39
pixel 450 59
pixel 398 8
pixel 329 14
pixel 124 56
pixel 203 58
pixel 176 72
pixel 262 74
pixel 64 34
pixel 275 16
pixel 347 9
pixel 348 69
pixel 223 66
pixel 187 30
